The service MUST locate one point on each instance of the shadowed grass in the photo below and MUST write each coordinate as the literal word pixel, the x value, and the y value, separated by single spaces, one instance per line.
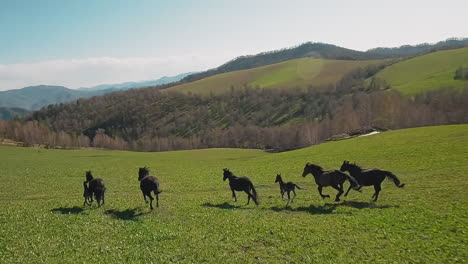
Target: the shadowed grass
pixel 128 214
pixel 68 210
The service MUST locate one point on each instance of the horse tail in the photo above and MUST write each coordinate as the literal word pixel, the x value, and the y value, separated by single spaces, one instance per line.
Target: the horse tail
pixel 254 193
pixel 354 183
pixel 297 186
pixel 394 178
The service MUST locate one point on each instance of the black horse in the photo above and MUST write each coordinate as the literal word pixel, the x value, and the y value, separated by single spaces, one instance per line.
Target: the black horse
pixel 240 184
pixel 95 187
pixel 333 178
pixel 369 177
pixel 286 187
pixel 87 194
pixel 149 184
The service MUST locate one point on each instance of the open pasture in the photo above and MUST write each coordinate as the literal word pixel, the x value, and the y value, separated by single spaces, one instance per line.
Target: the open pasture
pixel 43 220
pixel 288 74
pixel 427 72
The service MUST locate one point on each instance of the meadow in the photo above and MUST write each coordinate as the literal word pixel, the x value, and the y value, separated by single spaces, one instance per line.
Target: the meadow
pixel 289 74
pixel 43 220
pixel 427 72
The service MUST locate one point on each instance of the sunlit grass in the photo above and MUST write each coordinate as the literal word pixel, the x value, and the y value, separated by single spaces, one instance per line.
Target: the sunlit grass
pixel 42 219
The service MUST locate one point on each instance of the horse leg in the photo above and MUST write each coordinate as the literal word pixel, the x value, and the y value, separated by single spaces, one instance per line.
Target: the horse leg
pixel 340 192
pixel 249 195
pixel 377 189
pixel 282 195
pixel 320 192
pixel 234 195
pixel 294 196
pixel 144 197
pixel 151 200
pixel 103 198
pixel 346 194
pixel 157 200
pixel 289 198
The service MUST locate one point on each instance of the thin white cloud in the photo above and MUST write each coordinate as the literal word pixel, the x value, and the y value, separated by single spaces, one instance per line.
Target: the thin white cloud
pixel 76 73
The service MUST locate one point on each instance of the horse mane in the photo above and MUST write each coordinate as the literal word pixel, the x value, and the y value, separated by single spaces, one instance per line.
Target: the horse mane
pixel 354 165
pixel 229 172
pixel 317 167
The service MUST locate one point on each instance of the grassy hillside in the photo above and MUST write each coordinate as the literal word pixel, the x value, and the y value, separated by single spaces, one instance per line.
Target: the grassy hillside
pixel 289 74
pixel 427 72
pixel 425 222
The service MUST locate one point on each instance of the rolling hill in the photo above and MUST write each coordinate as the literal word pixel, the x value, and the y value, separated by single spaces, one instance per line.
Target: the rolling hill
pixel 302 73
pixel 324 51
pixel 426 72
pixel 308 49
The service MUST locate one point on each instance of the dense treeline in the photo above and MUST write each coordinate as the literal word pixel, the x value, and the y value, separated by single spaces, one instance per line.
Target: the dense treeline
pixel 409 50
pixel 150 113
pixel 151 119
pixel 7 113
pixel 384 109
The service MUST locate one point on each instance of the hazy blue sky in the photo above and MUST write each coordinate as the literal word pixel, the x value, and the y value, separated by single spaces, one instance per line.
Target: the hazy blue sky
pixel 90 42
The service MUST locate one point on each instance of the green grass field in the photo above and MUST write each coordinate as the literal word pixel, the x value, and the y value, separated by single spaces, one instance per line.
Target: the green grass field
pixel 427 72
pixel 42 220
pixel 289 74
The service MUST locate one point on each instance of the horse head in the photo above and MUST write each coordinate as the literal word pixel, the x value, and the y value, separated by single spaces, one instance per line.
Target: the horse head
pixel 344 166
pixel 307 169
pixel 143 172
pixel 226 174
pixel 278 178
pixel 89 176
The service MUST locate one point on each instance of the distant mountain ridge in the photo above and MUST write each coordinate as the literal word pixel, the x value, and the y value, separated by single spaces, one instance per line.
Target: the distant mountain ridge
pixel 35 97
pixel 141 84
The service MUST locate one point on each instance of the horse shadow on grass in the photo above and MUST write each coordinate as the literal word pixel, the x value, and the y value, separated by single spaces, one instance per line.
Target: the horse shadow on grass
pixel 225 205
pixel 329 208
pixel 312 209
pixel 68 210
pixel 127 215
pixel 366 205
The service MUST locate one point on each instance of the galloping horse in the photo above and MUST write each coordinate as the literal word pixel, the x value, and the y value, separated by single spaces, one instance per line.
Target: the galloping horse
pixel 149 184
pixel 240 184
pixel 369 177
pixel 96 187
pixel 333 178
pixel 286 187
